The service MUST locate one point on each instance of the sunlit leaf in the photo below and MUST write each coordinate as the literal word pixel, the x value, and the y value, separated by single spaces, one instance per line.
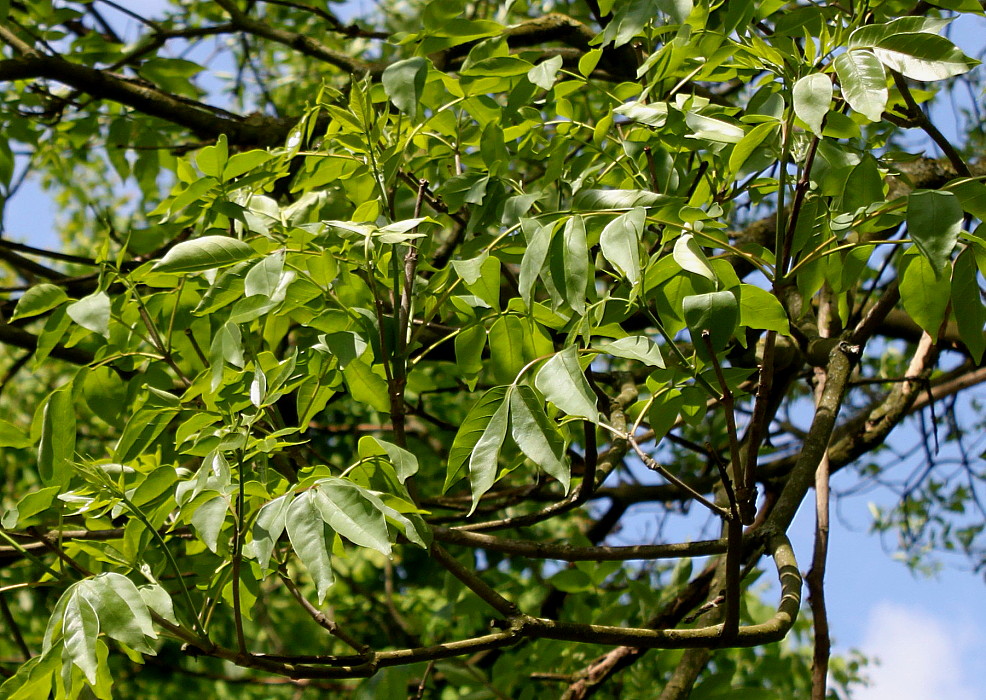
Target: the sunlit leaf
pixel 562 382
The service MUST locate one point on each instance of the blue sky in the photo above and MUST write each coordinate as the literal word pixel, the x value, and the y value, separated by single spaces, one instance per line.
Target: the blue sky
pixel 928 632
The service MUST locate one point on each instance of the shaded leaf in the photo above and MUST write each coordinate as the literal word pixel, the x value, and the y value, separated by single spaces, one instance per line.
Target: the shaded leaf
pixel 934 221
pixel 968 305
pixel 57 447
pixel 716 312
pixel 484 460
pixel 470 431
pixel 537 437
pixel 924 293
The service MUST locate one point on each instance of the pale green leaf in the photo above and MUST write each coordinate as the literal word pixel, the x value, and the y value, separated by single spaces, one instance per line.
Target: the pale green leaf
pixel 268 526
pixel 537 437
pixel 863 81
pixel 543 74
pixel 205 253
pixel 92 313
pixel 635 347
pixel 208 520
pixel 120 609
pixel 405 463
pixel 263 277
pixel 812 99
pixel 347 510
pixel 311 539
pixel 690 256
pixel 80 627
pixel 563 383
pixel 620 243
pixel 922 56
pixel 590 200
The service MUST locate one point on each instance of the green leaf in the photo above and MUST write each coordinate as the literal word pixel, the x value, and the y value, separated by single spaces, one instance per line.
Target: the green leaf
pixel 245 162
pixel 470 431
pixel 141 431
pixel 717 313
pixel 80 627
pixel 12 436
pixel 870 35
pixel 366 386
pixel 120 609
pixel 212 159
pixel 712 129
pixel 922 56
pixel 543 74
pixel 569 263
pixel 863 81
pixel 205 253
pixel 347 511
pixel 758 308
pixel 924 293
pixel 635 347
pixel 208 520
pixel 563 383
pixel 620 242
pixel 158 600
pixel 538 243
pixel 264 276
pixel 484 460
pixel 268 526
pixel 690 256
pixel 654 114
pixel 311 539
pixel 38 299
pixel 537 437
pixel 934 221
pixel 104 392
pixel 967 304
pixel 812 99
pixel 57 447
pixel 405 463
pixel 593 200
pixel 404 81
pixel 92 313
pixel 507 338
pixel 469 345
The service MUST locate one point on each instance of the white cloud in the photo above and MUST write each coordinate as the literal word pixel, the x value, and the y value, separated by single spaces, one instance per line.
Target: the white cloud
pixel 920 656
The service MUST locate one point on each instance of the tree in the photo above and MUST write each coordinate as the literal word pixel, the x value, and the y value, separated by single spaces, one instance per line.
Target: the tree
pixel 365 338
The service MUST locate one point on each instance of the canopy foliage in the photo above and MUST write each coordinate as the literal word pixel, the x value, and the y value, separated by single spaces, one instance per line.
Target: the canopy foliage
pixel 378 354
